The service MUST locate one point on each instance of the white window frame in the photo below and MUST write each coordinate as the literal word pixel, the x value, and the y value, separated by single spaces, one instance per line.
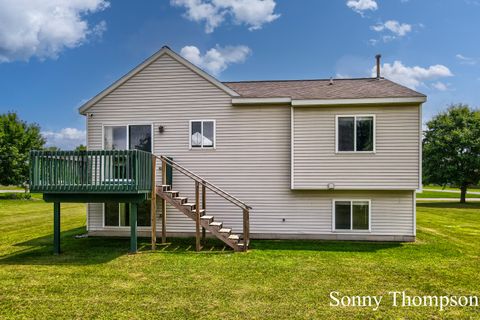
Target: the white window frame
pixel 214 134
pixel 127 125
pixel 351 230
pixel 119 226
pixel 355 116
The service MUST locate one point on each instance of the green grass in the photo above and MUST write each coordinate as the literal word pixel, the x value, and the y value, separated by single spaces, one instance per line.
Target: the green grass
pixel 433 194
pixel 96 278
pixel 10 188
pixel 432 186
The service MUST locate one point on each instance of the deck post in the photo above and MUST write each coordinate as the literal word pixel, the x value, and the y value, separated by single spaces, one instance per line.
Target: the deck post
pixel 204 207
pixel 246 229
pixel 56 227
pixel 197 216
pixel 133 227
pixel 153 204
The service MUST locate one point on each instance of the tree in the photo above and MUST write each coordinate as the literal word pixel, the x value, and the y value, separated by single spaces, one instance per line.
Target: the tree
pixel 17 138
pixel 451 148
pixel 81 148
pixel 51 148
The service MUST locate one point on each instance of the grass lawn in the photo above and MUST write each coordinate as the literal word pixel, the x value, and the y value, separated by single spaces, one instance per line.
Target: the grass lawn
pixel 432 186
pixel 96 278
pixel 433 194
pixel 10 188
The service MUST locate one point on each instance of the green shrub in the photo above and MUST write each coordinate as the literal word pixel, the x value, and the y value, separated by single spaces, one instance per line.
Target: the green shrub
pixel 15 196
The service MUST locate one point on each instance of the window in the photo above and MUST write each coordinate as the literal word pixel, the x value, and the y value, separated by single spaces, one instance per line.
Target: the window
pixel 355 133
pixel 139 137
pixel 118 214
pixel 202 134
pixel 115 137
pixel 351 215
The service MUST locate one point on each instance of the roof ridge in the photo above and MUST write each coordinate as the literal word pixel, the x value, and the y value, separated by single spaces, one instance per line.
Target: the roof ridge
pixel 293 80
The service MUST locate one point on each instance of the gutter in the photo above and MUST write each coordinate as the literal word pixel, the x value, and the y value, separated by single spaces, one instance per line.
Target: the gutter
pixel 326 102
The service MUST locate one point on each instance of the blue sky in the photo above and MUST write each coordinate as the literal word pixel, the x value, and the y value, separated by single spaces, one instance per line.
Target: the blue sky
pixel 75 49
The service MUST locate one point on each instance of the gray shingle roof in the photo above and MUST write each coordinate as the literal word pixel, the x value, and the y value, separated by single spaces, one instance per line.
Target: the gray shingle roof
pixel 322 89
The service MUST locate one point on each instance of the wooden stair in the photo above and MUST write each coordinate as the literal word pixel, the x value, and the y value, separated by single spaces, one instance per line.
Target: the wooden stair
pixel 216 228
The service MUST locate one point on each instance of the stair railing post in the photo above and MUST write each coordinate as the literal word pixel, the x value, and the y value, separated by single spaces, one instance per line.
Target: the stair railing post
pixel 246 229
pixel 164 172
pixel 197 216
pixel 204 208
pixel 153 204
pixel 164 203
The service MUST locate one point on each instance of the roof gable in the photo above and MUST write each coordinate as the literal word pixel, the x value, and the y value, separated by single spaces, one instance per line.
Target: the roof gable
pixel 164 51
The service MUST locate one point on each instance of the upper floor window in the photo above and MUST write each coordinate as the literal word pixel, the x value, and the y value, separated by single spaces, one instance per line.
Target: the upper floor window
pixel 356 133
pixel 202 134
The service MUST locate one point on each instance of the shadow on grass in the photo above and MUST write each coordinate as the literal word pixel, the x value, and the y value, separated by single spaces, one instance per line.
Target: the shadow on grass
pixel 99 250
pixel 323 245
pixel 84 251
pixel 450 205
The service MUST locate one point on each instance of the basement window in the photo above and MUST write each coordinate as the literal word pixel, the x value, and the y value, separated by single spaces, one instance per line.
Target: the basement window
pixel 355 133
pixel 351 215
pixel 202 134
pixel 118 214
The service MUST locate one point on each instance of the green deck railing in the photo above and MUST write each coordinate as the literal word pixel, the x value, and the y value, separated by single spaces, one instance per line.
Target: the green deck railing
pixel 102 171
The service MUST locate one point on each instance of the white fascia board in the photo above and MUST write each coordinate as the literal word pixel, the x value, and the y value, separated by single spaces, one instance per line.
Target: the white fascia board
pixel 361 101
pixel 366 188
pixel 250 101
pixel 326 102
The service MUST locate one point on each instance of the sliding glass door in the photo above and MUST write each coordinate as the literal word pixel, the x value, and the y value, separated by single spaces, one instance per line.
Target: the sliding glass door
pixel 125 137
pixel 139 137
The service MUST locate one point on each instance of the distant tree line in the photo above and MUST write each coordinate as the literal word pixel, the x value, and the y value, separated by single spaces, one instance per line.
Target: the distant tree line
pixel 17 139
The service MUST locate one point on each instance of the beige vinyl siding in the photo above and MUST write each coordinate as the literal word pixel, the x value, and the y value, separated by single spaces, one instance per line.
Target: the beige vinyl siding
pixel 251 160
pixel 394 165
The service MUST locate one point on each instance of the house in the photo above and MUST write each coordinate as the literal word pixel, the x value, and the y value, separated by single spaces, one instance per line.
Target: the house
pixel 332 159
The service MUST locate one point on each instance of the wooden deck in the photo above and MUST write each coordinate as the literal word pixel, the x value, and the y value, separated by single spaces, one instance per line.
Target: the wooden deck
pixel 84 173
pixel 128 176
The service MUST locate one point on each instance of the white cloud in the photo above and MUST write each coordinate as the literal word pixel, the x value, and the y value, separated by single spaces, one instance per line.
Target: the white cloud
pixel 66 138
pixel 388 38
pixel 45 28
pixel 361 6
pixel 216 59
pixel 397 28
pixel 412 77
pixel 466 60
pixel 253 13
pixel 440 86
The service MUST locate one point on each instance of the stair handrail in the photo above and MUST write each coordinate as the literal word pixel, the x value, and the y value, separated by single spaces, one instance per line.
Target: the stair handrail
pixel 204 182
